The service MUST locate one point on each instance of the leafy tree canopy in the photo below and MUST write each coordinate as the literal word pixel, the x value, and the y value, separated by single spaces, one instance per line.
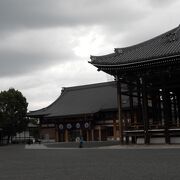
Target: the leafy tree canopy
pixel 13 109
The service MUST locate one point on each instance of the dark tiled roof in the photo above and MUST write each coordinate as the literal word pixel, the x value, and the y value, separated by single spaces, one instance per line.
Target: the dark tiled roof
pixel 82 100
pixel 164 45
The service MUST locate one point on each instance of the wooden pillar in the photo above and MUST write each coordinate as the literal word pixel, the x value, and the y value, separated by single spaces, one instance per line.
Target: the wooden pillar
pixel 130 87
pixel 92 134
pixel 0 138
pixel 60 136
pixel 178 108
pixel 166 106
pixel 80 132
pixel 100 137
pixel 126 128
pixel 66 135
pixel 154 106
pixel 87 135
pixel 159 105
pixel 167 112
pixel 139 101
pixel 145 110
pixel 114 129
pixel 175 111
pixel 56 133
pixel 119 102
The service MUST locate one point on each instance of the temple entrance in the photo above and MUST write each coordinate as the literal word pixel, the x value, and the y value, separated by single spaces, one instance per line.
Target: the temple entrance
pixel 73 134
pixel 61 136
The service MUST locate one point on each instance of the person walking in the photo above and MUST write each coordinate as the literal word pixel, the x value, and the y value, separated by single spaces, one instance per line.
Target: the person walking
pixel 81 142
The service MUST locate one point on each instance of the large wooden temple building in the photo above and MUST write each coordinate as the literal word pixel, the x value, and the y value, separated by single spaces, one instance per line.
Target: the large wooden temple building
pixel 151 71
pixel 142 105
pixel 89 111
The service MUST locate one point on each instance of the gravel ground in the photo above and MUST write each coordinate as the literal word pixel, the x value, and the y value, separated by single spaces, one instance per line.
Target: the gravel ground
pixel 17 163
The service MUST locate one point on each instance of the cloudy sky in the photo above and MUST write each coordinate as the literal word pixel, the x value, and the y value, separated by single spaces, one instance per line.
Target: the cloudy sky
pixel 46 44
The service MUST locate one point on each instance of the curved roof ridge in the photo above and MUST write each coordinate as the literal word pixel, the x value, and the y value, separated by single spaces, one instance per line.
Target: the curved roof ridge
pixel 47 107
pixel 87 86
pixel 163 45
pixel 93 57
pixel 149 41
pixel 136 46
pixel 85 99
pixel 38 110
pixel 47 110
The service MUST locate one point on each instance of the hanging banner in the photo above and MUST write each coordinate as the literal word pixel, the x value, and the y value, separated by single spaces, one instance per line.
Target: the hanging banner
pixel 74 125
pixel 86 125
pixel 78 125
pixel 69 126
pixel 61 126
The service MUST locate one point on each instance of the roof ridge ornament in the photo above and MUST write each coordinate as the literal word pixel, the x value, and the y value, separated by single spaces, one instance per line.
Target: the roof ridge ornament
pixel 93 58
pixel 118 50
pixel 178 28
pixel 173 36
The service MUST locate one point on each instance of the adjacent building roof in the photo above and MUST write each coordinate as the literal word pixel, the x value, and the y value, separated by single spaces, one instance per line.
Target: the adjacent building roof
pixel 163 46
pixel 79 100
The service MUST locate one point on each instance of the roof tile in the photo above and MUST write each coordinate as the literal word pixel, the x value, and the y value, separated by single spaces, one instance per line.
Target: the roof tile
pixel 82 100
pixel 164 45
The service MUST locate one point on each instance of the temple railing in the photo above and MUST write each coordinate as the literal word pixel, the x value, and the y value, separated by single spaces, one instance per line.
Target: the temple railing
pixel 140 126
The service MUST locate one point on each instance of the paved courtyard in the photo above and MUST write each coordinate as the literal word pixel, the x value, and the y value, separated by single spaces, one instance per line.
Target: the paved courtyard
pixel 17 163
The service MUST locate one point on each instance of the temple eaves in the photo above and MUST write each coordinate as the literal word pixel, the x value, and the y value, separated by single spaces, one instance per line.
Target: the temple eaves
pixel 166 45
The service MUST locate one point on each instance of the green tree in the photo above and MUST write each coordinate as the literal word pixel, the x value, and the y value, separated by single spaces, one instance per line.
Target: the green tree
pixel 13 109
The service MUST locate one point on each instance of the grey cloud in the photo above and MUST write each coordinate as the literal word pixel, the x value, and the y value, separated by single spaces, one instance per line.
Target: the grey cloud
pixel 47 13
pixel 161 3
pixel 38 34
pixel 22 15
pixel 17 63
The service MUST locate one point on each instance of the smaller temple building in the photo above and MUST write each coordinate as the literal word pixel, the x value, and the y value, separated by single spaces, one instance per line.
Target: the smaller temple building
pixel 88 111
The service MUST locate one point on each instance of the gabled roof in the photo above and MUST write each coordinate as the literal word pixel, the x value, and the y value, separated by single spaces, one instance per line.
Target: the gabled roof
pixel 163 46
pixel 79 100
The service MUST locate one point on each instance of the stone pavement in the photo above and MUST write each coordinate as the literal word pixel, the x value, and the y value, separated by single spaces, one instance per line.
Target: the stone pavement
pixel 17 163
pixel 150 146
pixel 99 146
pixel 35 146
